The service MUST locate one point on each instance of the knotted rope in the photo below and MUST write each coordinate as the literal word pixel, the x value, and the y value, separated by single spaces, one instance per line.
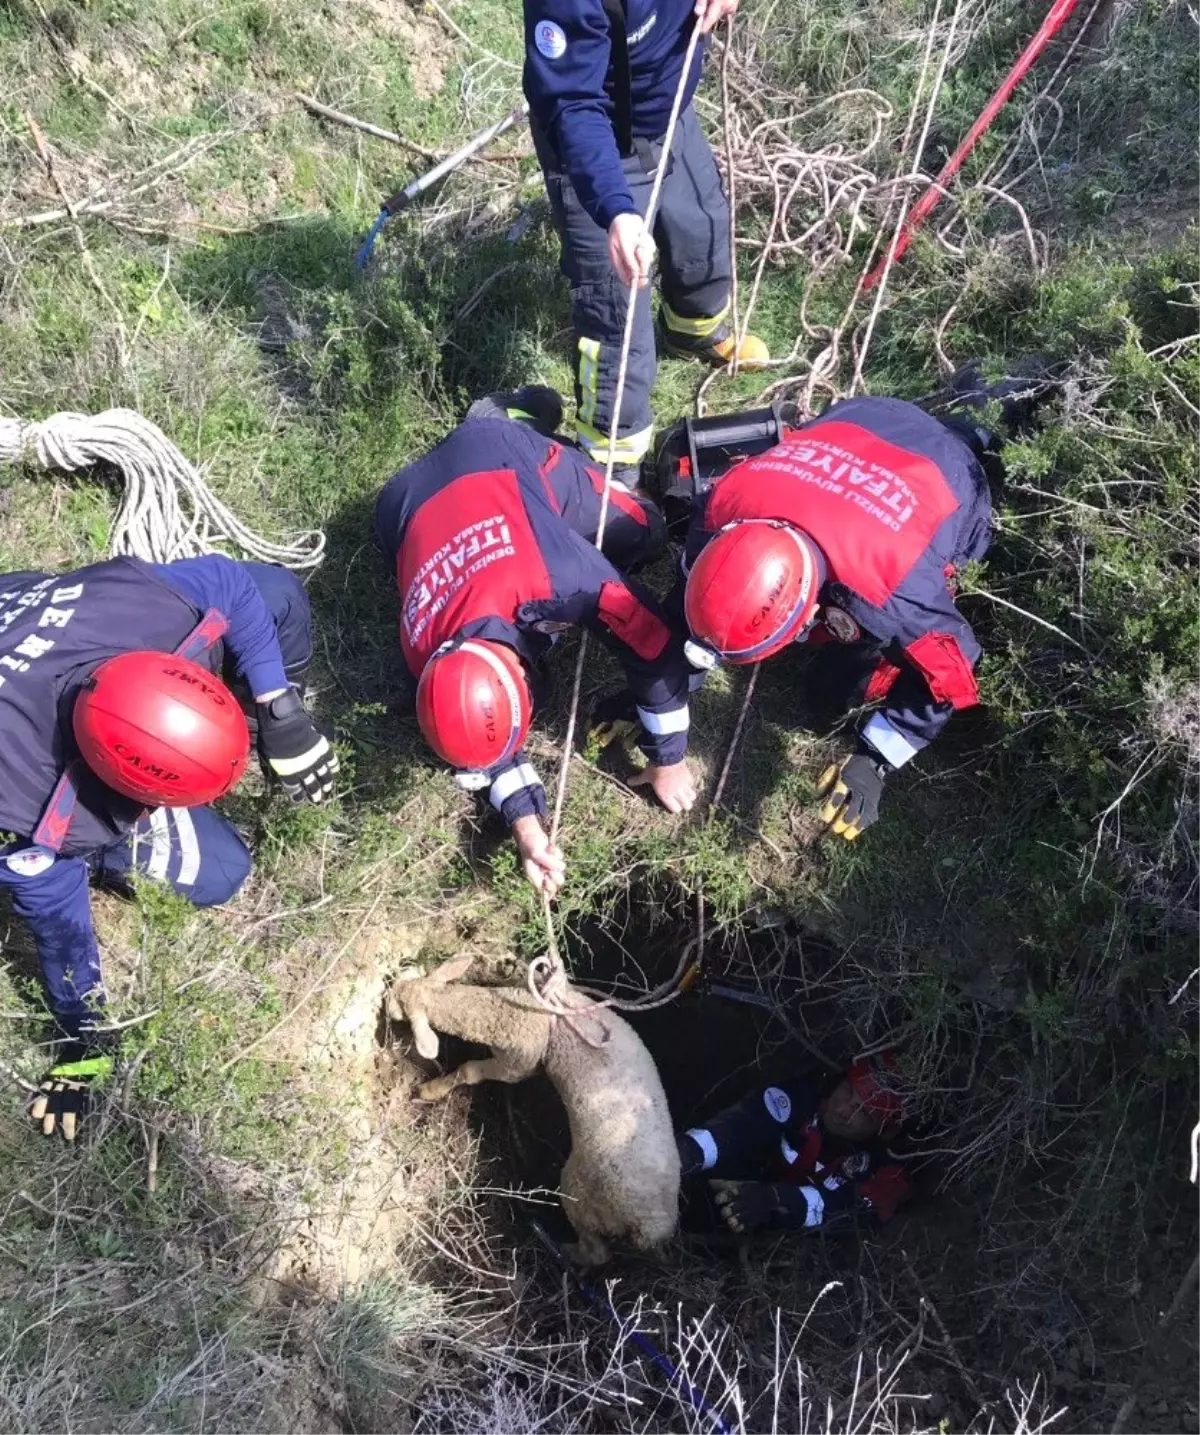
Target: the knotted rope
pixel 167 510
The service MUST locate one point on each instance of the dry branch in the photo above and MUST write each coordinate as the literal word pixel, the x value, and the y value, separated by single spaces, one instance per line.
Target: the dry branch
pixel 339 117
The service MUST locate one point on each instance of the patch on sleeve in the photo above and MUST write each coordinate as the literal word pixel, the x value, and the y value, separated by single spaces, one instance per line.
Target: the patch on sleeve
pixel 550 39
pixel 627 618
pixel 946 669
pixel 778 1103
pixel 31 862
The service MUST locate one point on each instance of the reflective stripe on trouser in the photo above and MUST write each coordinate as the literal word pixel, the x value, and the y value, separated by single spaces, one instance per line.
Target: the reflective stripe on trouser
pixel 630 448
pixel 701 327
pixel 694 271
pixel 192 849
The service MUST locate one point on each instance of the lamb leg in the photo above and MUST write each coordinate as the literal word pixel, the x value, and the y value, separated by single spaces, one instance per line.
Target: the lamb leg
pixel 497 1067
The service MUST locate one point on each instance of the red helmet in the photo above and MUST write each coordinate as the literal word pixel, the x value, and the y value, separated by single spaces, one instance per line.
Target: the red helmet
pixel 876 1083
pixel 162 730
pixel 752 590
pixel 474 704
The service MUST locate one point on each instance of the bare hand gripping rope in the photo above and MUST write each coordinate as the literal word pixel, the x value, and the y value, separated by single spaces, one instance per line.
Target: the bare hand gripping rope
pixel 167 510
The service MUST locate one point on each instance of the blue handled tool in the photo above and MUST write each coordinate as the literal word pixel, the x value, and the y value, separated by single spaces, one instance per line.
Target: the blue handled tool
pixel 404 197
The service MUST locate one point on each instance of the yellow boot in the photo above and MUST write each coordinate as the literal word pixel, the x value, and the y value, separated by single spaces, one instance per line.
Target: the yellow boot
pixel 752 351
pixel 710 339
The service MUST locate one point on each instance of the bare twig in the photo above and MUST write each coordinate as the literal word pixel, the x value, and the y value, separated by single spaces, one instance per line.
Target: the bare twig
pixel 1033 617
pixel 152 1159
pixel 453 25
pixel 47 158
pixel 947 1341
pixel 339 117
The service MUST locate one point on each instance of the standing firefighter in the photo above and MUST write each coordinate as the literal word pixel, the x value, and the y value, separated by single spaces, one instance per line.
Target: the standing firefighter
pixel 490 536
pixel 848 532
pixel 600 76
pixel 118 731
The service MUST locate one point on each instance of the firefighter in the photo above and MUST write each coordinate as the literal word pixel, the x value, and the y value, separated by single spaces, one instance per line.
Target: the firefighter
pixel 490 536
pixel 119 727
pixel 790 1157
pixel 600 77
pixel 848 531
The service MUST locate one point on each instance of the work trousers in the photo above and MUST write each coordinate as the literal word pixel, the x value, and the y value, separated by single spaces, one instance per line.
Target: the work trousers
pixel 691 230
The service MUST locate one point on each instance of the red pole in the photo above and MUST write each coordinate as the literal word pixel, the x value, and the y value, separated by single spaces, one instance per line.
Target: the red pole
pixel 1050 26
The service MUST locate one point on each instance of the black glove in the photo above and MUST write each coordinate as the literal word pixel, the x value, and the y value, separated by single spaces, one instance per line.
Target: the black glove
pixel 852 790
pixel 534 404
pixel 65 1092
pixel 746 1205
pixel 614 718
pixel 294 750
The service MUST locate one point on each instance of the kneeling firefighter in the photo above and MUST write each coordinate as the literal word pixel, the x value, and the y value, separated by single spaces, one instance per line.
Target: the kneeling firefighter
pixel 847 531
pixel 119 727
pixel 490 536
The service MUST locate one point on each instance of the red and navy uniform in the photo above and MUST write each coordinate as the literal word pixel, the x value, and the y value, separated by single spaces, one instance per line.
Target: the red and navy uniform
pixel 897 503
pixel 55 630
pixel 775 1134
pixel 490 537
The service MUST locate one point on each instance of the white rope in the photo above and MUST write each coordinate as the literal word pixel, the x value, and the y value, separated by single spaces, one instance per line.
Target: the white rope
pixel 167 510
pixel 918 154
pixel 547 977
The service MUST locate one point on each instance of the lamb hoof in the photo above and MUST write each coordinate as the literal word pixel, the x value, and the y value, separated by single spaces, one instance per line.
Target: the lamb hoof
pixel 434 1090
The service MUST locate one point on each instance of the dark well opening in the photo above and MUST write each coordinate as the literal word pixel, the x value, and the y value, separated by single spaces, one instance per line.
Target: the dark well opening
pixel 709 1046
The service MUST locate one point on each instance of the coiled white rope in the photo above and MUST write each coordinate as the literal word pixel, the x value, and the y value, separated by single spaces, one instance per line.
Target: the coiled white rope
pixel 167 510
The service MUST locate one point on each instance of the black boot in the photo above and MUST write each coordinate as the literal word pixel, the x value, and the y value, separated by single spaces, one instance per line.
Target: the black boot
pixel 534 404
pixel 1020 393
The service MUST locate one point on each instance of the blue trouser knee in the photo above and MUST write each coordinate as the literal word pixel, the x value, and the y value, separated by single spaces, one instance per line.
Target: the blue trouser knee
pixel 193 849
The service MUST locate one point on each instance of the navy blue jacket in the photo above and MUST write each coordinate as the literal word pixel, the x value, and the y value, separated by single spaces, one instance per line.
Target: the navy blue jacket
pixel 568 81
pixel 54 630
pixel 897 503
pixel 490 535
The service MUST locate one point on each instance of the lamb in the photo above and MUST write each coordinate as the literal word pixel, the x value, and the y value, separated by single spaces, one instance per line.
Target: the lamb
pixel 621 1180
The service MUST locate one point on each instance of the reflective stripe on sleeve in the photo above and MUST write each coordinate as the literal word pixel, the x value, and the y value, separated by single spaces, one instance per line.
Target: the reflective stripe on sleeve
pixel 523 775
pixel 660 724
pixel 708 1147
pixel 888 742
pixel 816 1205
pixel 189 847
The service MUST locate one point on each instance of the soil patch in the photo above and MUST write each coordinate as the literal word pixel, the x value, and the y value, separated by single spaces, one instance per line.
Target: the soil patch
pixel 430 52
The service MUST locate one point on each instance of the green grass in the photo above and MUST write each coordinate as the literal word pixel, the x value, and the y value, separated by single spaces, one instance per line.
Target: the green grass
pixel 1019 933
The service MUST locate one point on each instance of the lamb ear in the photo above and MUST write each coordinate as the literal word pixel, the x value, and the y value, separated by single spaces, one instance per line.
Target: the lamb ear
pixel 423 1034
pixel 451 971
